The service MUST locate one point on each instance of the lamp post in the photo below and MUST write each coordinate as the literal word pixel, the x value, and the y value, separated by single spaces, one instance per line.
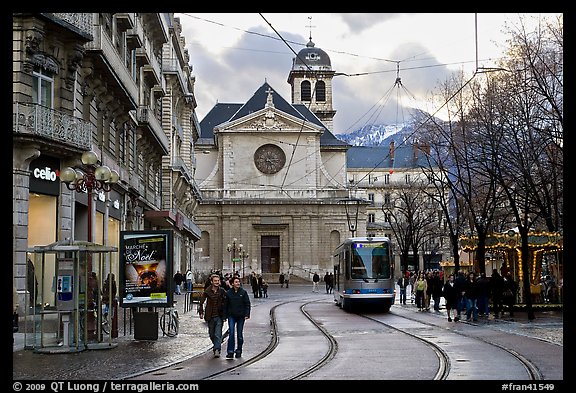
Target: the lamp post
pixel 88 178
pixel 232 248
pixel 243 255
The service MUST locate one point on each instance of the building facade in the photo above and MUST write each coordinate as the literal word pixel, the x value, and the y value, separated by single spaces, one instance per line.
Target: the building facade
pixel 273 177
pixel 118 84
pixel 388 177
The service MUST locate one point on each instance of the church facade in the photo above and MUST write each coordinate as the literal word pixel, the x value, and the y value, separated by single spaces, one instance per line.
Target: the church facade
pixel 273 178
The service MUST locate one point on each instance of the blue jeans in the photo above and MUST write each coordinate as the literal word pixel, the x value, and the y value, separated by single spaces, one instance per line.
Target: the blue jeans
pixel 471 308
pixel 215 332
pixel 235 330
pixel 403 295
pixel 460 304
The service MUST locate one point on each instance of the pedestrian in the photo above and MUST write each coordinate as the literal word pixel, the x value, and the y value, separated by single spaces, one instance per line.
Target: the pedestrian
pixel 178 279
pixel 330 282
pixel 412 282
pixel 106 292
pixel 237 311
pixel 403 284
pixel 460 282
pixel 287 278
pixel 326 284
pixel 496 289
pixel 315 281
pixel 215 297
pixel 281 280
pixel 483 295
pixel 471 289
pixel 189 280
pixel 254 284
pixel 509 294
pixel 260 286
pixel 264 288
pixel 428 293
pixel 420 291
pixel 450 296
pixel 436 289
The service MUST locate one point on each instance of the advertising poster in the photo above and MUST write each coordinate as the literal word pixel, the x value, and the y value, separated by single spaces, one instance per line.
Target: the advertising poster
pixel 145 268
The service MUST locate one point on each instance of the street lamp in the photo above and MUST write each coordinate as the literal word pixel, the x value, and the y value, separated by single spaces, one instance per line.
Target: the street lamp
pixel 90 177
pixel 243 255
pixel 232 248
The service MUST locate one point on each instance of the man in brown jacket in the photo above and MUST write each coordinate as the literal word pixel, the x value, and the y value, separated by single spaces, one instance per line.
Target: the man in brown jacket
pixel 214 296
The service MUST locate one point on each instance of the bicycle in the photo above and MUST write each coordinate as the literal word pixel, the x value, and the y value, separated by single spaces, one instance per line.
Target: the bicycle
pixel 170 322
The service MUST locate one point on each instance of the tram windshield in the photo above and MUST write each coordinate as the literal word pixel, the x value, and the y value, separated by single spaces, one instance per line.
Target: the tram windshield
pixel 370 261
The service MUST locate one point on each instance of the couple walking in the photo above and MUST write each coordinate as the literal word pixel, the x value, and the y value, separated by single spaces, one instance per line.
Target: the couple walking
pixel 232 305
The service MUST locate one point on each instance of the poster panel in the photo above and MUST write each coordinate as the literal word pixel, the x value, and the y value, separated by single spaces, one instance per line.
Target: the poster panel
pixel 146 268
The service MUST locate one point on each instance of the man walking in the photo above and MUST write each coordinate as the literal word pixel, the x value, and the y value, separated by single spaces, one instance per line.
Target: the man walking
pixel 215 297
pixel 403 284
pixel 237 310
pixel 315 281
pixel 178 279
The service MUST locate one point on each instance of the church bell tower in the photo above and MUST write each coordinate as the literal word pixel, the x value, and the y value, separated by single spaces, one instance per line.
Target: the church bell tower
pixel 311 82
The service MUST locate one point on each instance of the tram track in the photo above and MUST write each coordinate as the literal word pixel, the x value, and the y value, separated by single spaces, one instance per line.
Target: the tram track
pixel 300 337
pixel 531 369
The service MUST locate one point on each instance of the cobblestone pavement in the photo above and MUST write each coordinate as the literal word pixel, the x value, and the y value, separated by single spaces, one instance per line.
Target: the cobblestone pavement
pixel 132 357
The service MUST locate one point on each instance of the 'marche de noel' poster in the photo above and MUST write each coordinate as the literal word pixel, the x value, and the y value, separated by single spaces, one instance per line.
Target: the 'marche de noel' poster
pixel 146 268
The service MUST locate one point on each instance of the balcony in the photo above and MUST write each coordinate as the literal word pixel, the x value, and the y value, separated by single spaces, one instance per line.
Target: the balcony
pixel 113 62
pixel 124 20
pixel 36 120
pixel 78 22
pixel 145 117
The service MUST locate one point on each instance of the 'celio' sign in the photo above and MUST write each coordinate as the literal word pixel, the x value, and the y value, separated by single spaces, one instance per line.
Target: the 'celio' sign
pixel 45 175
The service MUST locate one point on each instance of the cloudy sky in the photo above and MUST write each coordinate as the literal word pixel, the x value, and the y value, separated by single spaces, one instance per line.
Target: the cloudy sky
pixel 233 54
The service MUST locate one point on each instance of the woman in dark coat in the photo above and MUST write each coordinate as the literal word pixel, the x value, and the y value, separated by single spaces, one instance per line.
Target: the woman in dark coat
pixel 450 294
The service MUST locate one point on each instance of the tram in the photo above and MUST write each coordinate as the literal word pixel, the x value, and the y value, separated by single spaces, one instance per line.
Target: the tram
pixel 364 274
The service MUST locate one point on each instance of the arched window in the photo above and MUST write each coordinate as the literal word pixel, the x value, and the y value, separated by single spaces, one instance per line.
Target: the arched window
pixel 320 91
pixel 305 91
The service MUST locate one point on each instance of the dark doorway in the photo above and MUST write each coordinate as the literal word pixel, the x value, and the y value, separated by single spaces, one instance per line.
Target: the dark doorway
pixel 270 252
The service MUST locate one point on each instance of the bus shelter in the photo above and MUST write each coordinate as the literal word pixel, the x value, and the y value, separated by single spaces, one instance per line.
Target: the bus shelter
pixel 504 253
pixel 68 315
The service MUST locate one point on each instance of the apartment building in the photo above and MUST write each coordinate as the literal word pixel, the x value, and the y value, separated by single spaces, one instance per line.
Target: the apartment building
pixel 116 84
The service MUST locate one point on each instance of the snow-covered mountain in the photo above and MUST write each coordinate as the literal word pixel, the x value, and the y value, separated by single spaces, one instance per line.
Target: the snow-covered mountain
pixel 378 134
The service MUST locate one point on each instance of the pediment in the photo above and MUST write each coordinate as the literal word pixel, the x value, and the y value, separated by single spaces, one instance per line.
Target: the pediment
pixel 269 120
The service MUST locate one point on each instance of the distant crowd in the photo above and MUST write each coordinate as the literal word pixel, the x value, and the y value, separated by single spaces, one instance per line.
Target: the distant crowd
pixel 466 294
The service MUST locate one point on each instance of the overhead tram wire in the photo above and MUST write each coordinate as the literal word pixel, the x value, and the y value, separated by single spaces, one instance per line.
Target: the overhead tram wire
pixel 309 104
pixel 430 116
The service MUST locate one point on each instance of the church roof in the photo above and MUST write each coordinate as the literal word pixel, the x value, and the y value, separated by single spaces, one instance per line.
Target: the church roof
pixel 378 157
pixel 226 112
pixel 311 57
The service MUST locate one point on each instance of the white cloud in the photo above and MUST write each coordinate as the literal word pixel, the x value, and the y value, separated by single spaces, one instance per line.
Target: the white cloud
pixel 230 64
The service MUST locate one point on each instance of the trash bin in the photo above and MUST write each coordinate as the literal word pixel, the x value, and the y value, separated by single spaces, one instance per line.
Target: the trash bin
pixel 146 325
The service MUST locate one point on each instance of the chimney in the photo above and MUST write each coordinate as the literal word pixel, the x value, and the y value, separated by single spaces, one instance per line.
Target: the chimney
pixel 392 151
pixel 415 149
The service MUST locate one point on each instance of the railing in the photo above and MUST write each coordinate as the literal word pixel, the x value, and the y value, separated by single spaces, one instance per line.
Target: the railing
pixel 145 115
pixel 81 21
pixel 41 121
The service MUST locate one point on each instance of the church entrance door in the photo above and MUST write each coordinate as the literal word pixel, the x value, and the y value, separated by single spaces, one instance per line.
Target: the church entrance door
pixel 270 252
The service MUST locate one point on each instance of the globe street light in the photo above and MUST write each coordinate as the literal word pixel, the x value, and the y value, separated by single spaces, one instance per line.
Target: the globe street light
pixel 232 248
pixel 90 177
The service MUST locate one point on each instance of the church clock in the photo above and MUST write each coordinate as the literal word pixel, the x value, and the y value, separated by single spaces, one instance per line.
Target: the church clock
pixel 269 159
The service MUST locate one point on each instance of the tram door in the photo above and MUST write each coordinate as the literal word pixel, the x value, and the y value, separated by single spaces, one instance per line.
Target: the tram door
pixel 270 251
